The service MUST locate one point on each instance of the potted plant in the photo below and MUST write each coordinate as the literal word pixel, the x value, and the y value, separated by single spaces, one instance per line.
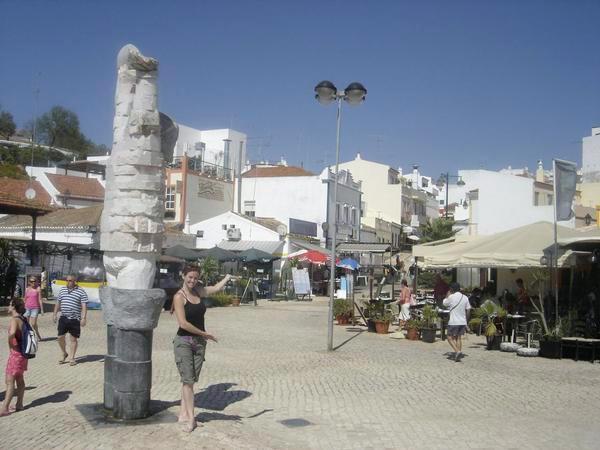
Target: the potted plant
pixel 492 316
pixel 370 311
pixel 475 325
pixel 550 343
pixel 382 321
pixel 429 324
pixel 342 311
pixel 412 329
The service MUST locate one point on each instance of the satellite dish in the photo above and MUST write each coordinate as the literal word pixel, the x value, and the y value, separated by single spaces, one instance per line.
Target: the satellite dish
pixel 30 194
pixel 281 230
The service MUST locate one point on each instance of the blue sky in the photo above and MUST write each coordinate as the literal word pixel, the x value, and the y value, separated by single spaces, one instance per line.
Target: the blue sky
pixel 451 84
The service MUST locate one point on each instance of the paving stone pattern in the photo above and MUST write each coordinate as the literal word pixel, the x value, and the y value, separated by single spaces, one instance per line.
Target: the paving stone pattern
pixel 269 383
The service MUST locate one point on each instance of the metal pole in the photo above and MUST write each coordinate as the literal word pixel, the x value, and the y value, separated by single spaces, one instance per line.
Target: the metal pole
pixel 239 179
pixel 447 182
pixel 555 247
pixel 333 229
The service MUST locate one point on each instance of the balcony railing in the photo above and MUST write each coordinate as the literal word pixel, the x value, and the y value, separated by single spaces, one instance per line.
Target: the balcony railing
pixel 204 168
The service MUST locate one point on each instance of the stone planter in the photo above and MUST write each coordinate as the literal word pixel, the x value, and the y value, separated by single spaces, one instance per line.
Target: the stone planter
pixel 412 334
pixel 428 334
pixel 382 326
pixel 550 349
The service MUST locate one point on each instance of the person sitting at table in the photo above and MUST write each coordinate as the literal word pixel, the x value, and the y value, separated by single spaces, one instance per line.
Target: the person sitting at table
pixel 475 298
pixel 523 301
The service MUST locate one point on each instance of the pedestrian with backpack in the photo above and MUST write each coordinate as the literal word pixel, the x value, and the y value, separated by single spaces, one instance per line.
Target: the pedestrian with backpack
pixel 17 363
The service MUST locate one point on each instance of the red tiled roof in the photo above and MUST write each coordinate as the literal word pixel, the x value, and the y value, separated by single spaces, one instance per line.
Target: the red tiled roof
pixel 13 190
pixel 77 186
pixel 276 171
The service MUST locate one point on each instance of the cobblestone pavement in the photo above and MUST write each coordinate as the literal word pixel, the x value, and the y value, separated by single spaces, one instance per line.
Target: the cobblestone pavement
pixel 269 383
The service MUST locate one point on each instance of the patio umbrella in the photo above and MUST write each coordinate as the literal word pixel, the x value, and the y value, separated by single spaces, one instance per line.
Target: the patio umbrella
pixel 218 253
pixel 179 251
pixel 314 257
pixel 254 255
pixel 348 263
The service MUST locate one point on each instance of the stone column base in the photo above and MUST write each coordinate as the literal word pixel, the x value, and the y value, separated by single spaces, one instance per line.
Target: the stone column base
pixel 130 315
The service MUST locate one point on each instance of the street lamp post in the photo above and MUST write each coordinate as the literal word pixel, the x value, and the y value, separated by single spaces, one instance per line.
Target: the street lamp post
pixel 326 93
pixel 446 179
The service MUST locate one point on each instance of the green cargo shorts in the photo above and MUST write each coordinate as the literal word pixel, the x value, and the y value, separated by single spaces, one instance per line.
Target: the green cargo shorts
pixel 189 357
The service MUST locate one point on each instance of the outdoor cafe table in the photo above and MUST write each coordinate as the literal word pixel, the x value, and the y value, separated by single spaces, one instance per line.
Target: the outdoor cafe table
pixel 514 322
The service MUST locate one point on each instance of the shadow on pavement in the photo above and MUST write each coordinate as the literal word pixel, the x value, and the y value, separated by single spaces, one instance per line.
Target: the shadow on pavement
pixel 48 339
pixel 349 339
pixel 90 358
pixel 3 394
pixel 217 397
pixel 57 397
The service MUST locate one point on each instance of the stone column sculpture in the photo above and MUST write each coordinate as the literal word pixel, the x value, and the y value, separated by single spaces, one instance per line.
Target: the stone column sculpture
pixel 131 237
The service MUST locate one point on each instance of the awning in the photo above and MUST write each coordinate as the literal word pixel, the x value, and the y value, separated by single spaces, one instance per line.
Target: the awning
pixel 271 247
pixel 519 247
pixel 363 247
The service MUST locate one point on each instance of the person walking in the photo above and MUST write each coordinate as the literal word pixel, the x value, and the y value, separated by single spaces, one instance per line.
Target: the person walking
pixel 17 363
pixel 33 304
pixel 72 305
pixel 459 307
pixel 404 302
pixel 189 345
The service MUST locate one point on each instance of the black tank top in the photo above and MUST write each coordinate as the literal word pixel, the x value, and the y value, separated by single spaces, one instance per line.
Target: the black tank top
pixel 194 314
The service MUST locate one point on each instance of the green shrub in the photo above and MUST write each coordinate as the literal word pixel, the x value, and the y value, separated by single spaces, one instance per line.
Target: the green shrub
pixel 221 299
pixel 342 307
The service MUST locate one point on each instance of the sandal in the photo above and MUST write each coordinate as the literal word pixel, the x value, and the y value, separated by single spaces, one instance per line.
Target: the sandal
pixel 73 363
pixel 14 409
pixel 64 359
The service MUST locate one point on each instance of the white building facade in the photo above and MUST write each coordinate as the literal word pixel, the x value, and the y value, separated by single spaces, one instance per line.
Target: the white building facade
pixel 303 202
pixel 490 202
pixel 217 147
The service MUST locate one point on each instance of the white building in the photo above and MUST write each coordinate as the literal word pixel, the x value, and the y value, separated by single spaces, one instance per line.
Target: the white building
pixel 591 157
pixel 490 202
pixel 217 147
pixel 231 226
pixel 303 201
pixel 390 197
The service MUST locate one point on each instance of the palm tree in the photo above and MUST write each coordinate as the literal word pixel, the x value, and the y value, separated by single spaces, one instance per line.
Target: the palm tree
pixel 437 229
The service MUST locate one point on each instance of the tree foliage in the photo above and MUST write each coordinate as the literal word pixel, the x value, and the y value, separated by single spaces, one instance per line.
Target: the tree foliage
pixel 437 229
pixel 59 127
pixel 7 125
pixel 13 171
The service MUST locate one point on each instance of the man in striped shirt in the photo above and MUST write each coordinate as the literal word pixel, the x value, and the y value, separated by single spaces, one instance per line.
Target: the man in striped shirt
pixel 72 304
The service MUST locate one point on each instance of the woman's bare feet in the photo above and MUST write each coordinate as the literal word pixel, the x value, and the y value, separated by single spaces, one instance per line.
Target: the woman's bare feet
pixel 189 426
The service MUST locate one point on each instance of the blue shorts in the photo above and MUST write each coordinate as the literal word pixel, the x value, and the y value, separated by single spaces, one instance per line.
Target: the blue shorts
pixel 31 312
pixel 456 330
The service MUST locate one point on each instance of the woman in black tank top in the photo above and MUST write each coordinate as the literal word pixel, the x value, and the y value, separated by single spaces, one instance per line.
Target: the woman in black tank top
pixel 190 342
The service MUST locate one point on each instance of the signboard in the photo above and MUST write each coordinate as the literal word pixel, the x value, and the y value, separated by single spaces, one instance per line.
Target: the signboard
pixel 303 227
pixel 301 281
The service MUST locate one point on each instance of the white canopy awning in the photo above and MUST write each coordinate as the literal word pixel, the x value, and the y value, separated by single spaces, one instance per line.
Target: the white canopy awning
pixel 519 247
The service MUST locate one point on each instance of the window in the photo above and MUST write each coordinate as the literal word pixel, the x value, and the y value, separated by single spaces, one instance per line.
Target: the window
pixel 170 198
pixel 250 208
pixel 550 199
pixel 442 202
pixel 231 226
pixel 353 216
pixel 536 199
pixel 346 214
pixel 338 213
pixel 200 233
pixel 224 226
